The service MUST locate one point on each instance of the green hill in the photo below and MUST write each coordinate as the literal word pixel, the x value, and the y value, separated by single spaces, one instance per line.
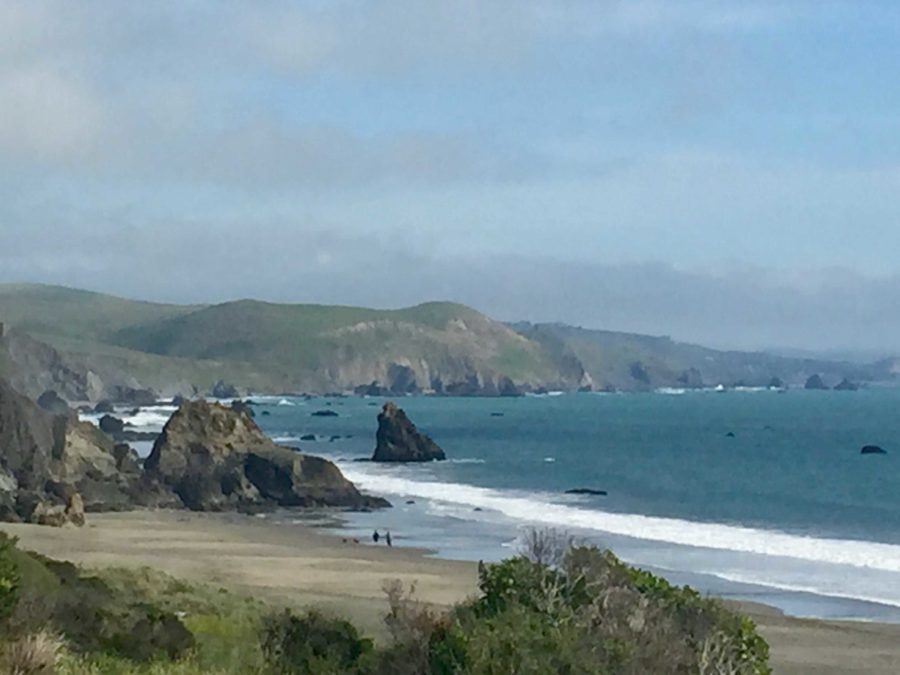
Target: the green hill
pixel 272 347
pixel 88 345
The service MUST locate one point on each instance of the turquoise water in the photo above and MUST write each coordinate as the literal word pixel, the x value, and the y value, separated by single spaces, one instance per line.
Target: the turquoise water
pixel 785 510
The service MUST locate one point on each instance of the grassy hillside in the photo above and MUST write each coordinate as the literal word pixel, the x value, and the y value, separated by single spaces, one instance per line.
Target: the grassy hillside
pixel 57 312
pixel 270 347
pixel 265 346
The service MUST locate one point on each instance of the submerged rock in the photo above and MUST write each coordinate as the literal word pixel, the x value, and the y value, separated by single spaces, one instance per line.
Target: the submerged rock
pixel 216 459
pixel 872 450
pixel 398 440
pixel 324 413
pixel 587 491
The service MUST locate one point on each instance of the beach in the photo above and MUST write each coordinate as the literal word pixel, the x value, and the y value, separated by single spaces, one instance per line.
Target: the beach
pixel 301 566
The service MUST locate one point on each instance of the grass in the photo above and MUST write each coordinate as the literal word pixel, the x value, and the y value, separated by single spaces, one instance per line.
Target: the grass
pixel 265 346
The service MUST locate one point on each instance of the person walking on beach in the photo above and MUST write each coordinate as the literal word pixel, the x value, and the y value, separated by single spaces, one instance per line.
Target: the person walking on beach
pixel 376 536
pixel 387 538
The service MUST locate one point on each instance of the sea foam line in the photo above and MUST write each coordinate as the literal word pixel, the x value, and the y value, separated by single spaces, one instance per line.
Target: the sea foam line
pixel 717 536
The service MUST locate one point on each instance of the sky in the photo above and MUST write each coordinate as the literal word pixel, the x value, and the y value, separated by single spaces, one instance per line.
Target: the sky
pixel 723 172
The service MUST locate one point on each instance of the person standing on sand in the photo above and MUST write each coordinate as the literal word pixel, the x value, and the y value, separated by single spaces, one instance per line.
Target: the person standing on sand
pixel 376 536
pixel 387 538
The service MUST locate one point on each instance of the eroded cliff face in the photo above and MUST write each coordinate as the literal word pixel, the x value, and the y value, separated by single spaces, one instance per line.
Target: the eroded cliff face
pixel 215 458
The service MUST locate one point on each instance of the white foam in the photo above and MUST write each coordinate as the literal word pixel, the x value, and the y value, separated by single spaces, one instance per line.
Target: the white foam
pixel 540 510
pixel 466 460
pixel 671 391
pixel 807 588
pixel 150 419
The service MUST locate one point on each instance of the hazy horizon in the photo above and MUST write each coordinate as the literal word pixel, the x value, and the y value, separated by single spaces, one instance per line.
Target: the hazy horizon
pixel 724 173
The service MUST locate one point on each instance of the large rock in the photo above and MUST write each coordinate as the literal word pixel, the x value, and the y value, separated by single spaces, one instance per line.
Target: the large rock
pixel 217 459
pixel 846 385
pixel 223 390
pixel 398 440
pixel 111 425
pixel 52 403
pixel 815 382
pixel 54 468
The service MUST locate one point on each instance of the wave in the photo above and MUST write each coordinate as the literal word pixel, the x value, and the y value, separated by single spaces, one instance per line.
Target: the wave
pixel 466 460
pixel 540 510
pixel 150 419
pixel 805 588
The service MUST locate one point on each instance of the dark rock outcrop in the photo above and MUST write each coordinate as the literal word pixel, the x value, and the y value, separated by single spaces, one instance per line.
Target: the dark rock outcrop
pixel 372 389
pixel 53 403
pixel 776 383
pixel 872 450
pixel 401 379
pixel 55 468
pixel 815 382
pixel 240 406
pixel 217 459
pixel 639 373
pixel 223 390
pixel 587 491
pixel 131 397
pixel 846 385
pixel 111 425
pixel 324 413
pixel 691 378
pixel 104 407
pixel 398 440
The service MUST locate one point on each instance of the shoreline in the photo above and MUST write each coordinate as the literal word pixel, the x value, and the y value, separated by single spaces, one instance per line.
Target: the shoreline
pixel 303 565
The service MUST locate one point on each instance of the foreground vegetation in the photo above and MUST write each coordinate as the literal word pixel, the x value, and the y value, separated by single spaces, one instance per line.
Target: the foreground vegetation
pixel 558 608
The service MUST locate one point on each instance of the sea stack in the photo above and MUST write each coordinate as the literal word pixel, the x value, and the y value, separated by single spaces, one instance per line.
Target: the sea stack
pixel 398 440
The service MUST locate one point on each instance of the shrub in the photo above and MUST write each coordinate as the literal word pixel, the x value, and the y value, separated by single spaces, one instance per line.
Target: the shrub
pixel 37 654
pixel 586 612
pixel 9 577
pixel 312 644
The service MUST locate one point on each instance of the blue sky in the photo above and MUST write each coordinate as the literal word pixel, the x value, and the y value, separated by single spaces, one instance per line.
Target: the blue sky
pixel 323 151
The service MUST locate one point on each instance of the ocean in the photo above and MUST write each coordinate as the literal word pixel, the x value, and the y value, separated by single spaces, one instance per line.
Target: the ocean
pixel 752 495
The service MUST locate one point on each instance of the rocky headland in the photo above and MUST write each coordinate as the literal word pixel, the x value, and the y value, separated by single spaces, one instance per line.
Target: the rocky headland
pixel 55 468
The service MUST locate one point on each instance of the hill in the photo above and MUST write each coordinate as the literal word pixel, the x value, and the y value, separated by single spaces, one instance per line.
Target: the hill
pixel 442 347
pixel 89 345
pixel 626 361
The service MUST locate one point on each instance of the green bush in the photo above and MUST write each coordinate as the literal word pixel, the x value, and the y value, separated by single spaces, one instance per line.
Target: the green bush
pixel 312 644
pixel 10 577
pixel 591 614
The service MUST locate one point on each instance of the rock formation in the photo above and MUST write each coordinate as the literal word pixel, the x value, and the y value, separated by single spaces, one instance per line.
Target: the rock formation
pixel 217 459
pixel 52 403
pixel 398 440
pixel 846 385
pixel 815 382
pixel 54 468
pixel 873 450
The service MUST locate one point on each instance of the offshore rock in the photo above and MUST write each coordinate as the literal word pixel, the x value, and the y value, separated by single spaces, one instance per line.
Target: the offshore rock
pixel 398 440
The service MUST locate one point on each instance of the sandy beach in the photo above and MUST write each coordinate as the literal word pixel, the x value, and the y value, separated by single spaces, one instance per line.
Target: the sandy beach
pixel 301 566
